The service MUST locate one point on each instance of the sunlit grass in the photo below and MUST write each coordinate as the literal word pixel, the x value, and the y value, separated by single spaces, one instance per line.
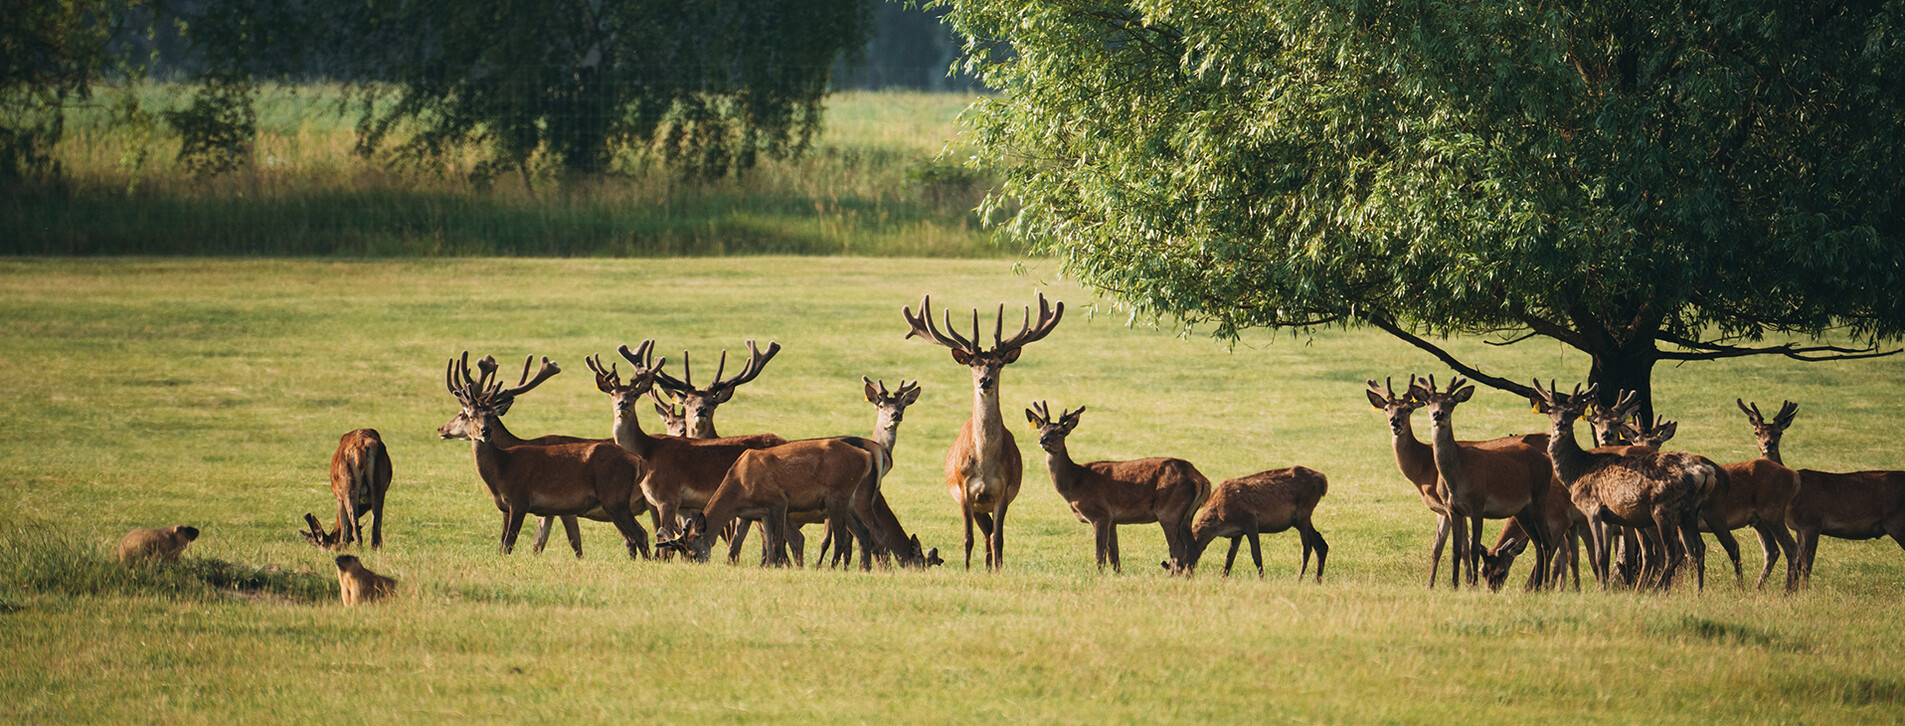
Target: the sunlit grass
pixel 154 392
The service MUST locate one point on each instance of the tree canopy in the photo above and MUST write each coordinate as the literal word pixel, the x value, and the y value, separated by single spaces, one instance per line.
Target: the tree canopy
pixel 1640 181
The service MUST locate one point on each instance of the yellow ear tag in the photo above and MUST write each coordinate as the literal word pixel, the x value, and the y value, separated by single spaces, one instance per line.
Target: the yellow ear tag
pixel 1535 408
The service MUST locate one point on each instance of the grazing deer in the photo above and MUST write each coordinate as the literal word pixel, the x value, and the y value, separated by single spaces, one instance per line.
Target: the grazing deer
pixel 891 409
pixel 1266 502
pixel 1106 494
pixel 357 584
pixel 558 479
pixel 681 473
pixel 152 545
pixel 698 404
pixel 1510 481
pixel 1416 460
pixel 1653 491
pixel 829 475
pixel 1760 491
pixel 983 468
pixel 1565 524
pixel 360 475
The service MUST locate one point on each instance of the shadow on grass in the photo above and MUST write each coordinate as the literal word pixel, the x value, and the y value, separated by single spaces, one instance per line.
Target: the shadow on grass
pixel 41 561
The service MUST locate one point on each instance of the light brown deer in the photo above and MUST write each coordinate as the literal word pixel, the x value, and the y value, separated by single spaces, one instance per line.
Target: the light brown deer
pixel 1657 492
pixel 890 407
pixel 1266 502
pixel 155 545
pixel 560 479
pixel 1106 494
pixel 358 585
pixel 983 468
pixel 829 475
pixel 1480 483
pixel 360 476
pixel 1416 460
pixel 1759 492
pixel 681 473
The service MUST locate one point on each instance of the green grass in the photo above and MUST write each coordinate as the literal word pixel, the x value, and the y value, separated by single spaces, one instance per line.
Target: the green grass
pixel 146 393
pixel 871 185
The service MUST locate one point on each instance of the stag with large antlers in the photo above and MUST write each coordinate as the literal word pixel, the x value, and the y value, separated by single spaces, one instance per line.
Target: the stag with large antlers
pixel 983 468
pixel 1105 494
pixel 560 479
pixel 698 404
pixel 1657 492
pixel 1416 460
pixel 1486 483
pixel 682 473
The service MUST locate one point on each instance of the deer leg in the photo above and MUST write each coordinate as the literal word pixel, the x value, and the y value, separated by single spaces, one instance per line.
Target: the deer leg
pixel 737 534
pixel 377 523
pixel 1111 545
pixel 512 527
pixel 1791 548
pixel 1100 534
pixel 1697 548
pixel 542 534
pixel 1727 543
pixel 574 530
pixel 1322 547
pixel 826 543
pixel 1474 560
pixel 1256 549
pixel 633 537
pixel 1441 538
pixel 1460 535
pixel 998 534
pixel 1532 522
pixel 1230 558
pixel 343 524
pixel 966 509
pixel 796 544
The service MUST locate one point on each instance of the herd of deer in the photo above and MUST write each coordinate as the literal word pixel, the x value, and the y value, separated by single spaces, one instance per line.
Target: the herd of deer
pixel 1653 504
pixel 697 486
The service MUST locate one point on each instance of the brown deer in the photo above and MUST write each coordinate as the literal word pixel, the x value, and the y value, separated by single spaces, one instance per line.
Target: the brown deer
pixel 559 479
pixel 890 407
pixel 1106 494
pixel 1657 492
pixel 983 468
pixel 698 404
pixel 674 419
pixel 829 475
pixel 1266 502
pixel 1760 491
pixel 681 473
pixel 1477 483
pixel 360 475
pixel 1565 524
pixel 1853 505
pixel 1416 460
pixel 155 545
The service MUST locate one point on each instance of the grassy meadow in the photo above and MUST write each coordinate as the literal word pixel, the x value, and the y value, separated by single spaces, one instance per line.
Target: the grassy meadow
pixel 145 393
pixel 873 183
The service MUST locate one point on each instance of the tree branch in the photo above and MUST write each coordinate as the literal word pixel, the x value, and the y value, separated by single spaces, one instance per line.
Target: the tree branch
pixel 1388 325
pixel 1710 351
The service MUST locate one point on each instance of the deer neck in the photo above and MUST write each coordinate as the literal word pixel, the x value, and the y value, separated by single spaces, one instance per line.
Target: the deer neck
pixel 702 428
pixel 1570 461
pixel 1448 457
pixel 1414 458
pixel 886 433
pixel 1769 450
pixel 988 425
pixel 629 435
pixel 1064 470
pixel 490 457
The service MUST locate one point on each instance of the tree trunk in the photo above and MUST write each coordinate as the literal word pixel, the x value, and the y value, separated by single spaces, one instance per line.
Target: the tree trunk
pixel 1628 368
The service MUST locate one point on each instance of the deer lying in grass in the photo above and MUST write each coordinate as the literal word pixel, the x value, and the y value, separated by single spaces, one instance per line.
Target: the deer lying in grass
pixel 1656 492
pixel 1479 483
pixel 360 475
pixel 560 479
pixel 983 468
pixel 1416 460
pixel 358 585
pixel 1760 491
pixel 1106 494
pixel 1266 502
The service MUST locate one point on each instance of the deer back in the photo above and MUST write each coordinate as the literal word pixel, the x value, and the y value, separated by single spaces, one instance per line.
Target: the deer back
pixel 360 469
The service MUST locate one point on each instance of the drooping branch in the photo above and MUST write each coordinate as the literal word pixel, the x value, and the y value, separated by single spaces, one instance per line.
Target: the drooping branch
pixel 1388 325
pixel 1697 350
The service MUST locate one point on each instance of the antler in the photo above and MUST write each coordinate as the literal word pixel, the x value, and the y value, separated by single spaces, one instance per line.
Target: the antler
pixel 881 394
pixel 755 362
pixel 609 380
pixel 1044 414
pixel 1029 331
pixel 526 384
pixel 469 391
pixel 922 325
pixel 1785 416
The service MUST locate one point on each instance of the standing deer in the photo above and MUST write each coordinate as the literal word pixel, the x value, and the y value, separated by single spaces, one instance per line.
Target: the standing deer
pixel 1106 494
pixel 1853 505
pixel 891 409
pixel 1760 491
pixel 559 479
pixel 681 473
pixel 1416 460
pixel 1487 483
pixel 360 475
pixel 983 468
pixel 698 404
pixel 1266 502
pixel 1653 491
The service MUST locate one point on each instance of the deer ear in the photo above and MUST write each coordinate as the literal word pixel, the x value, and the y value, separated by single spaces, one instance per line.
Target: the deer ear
pixel 1010 357
pixel 962 357
pixel 1031 417
pixel 1376 400
pixel 873 396
pixel 910 397
pixel 1463 395
pixel 1666 432
pixel 1519 546
pixel 722 396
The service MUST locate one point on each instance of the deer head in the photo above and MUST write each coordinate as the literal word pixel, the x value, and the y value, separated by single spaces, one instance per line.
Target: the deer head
pixel 922 559
pixel 1769 433
pixel 674 420
pixel 1052 433
pixel 986 363
pixel 1495 564
pixel 1440 403
pixel 694 542
pixel 1396 408
pixel 892 405
pixel 1650 436
pixel 698 404
pixel 484 400
pixel 608 379
pixel 1562 409
pixel 1610 422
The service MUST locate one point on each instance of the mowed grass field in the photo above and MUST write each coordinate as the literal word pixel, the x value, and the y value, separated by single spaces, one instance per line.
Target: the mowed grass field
pixel 150 393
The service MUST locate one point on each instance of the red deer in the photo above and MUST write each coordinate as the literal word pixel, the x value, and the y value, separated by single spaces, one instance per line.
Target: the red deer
pixel 681 473
pixel 698 404
pixel 890 408
pixel 559 479
pixel 1487 483
pixel 828 475
pixel 360 475
pixel 357 584
pixel 1416 460
pixel 1266 502
pixel 150 545
pixel 1106 494
pixel 983 468
pixel 1854 505
pixel 1760 491
pixel 1657 492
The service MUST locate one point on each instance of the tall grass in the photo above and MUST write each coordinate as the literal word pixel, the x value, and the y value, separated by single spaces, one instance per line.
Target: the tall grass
pixel 207 392
pixel 873 184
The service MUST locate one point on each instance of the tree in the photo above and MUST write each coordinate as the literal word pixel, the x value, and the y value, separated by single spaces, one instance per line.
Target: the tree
pixel 51 53
pixel 1644 182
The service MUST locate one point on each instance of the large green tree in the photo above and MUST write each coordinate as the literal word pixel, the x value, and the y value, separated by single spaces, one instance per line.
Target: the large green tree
pixel 52 52
pixel 1642 181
